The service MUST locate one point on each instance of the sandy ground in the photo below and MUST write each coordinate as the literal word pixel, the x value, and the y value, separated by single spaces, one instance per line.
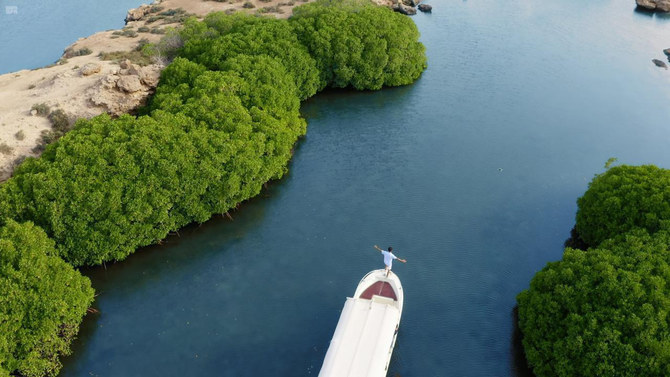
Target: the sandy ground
pixel 86 86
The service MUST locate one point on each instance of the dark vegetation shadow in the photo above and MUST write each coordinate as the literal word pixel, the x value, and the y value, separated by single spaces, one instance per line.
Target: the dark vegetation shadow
pixel 651 13
pixel 575 241
pixel 644 11
pixel 519 365
pixel 349 93
pixel 312 108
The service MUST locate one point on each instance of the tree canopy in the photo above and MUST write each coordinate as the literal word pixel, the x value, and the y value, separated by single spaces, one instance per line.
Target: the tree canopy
pixel 110 186
pixel 220 37
pixel 601 312
pixel 356 43
pixel 623 198
pixel 223 121
pixel 42 303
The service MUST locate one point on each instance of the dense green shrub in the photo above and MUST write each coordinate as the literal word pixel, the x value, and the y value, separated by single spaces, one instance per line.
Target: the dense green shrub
pixel 356 43
pixel 221 37
pixel 601 312
pixel 42 302
pixel 223 122
pixel 261 98
pixel 622 198
pixel 257 81
pixel 254 101
pixel 111 186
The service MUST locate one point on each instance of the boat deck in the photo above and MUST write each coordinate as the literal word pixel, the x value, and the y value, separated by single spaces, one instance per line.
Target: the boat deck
pixel 363 340
pixel 379 288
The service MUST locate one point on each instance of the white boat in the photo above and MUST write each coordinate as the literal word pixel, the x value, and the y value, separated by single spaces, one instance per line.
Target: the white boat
pixel 366 332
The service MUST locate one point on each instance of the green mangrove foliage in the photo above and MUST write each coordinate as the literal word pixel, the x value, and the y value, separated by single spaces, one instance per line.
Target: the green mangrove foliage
pixel 623 198
pixel 221 37
pixel 601 312
pixel 42 302
pixel 110 186
pixel 359 44
pixel 604 311
pixel 223 122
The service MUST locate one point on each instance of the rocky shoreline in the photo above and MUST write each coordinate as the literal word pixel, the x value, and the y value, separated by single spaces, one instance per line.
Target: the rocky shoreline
pixel 102 73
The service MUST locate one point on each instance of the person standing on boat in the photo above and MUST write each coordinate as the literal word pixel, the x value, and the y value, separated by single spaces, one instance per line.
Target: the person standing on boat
pixel 388 258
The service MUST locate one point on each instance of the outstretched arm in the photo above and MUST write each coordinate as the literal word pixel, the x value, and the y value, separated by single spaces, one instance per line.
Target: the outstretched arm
pixel 377 247
pixel 402 260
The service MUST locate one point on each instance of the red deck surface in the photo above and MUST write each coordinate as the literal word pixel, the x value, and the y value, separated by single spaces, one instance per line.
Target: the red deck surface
pixel 379 288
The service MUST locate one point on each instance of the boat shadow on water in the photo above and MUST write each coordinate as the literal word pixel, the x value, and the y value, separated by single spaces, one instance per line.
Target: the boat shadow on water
pixel 397 364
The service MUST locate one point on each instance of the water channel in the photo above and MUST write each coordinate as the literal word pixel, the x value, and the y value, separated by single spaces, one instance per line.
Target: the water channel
pixel 471 174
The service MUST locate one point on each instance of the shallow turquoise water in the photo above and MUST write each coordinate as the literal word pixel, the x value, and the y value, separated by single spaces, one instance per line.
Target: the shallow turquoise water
pixel 471 174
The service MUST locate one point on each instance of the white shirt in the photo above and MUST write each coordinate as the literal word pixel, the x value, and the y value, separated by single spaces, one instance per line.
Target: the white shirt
pixel 388 257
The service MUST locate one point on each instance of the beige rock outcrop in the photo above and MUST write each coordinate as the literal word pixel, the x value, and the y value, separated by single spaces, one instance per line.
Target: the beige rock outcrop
pixel 129 84
pixel 125 64
pixel 90 68
pixel 404 9
pixel 137 13
pixel 658 5
pixel 150 77
pixel 123 90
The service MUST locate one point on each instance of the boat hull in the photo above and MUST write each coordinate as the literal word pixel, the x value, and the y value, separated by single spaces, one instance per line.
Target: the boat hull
pixel 366 332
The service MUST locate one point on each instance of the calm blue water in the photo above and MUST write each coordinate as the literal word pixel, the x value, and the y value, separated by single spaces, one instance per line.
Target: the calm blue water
pixel 471 174
pixel 34 33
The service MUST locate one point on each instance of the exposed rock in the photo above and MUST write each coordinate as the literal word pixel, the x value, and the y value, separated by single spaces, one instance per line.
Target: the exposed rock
pixel 667 52
pixel 117 103
pixel 109 81
pixel 134 69
pixel 658 5
pixel 409 3
pixel 122 92
pixel 137 13
pixel 129 84
pixel 150 76
pixel 114 101
pixel 404 9
pixel 425 8
pixel 90 68
pixel 33 112
pixel 125 64
pixel 660 63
